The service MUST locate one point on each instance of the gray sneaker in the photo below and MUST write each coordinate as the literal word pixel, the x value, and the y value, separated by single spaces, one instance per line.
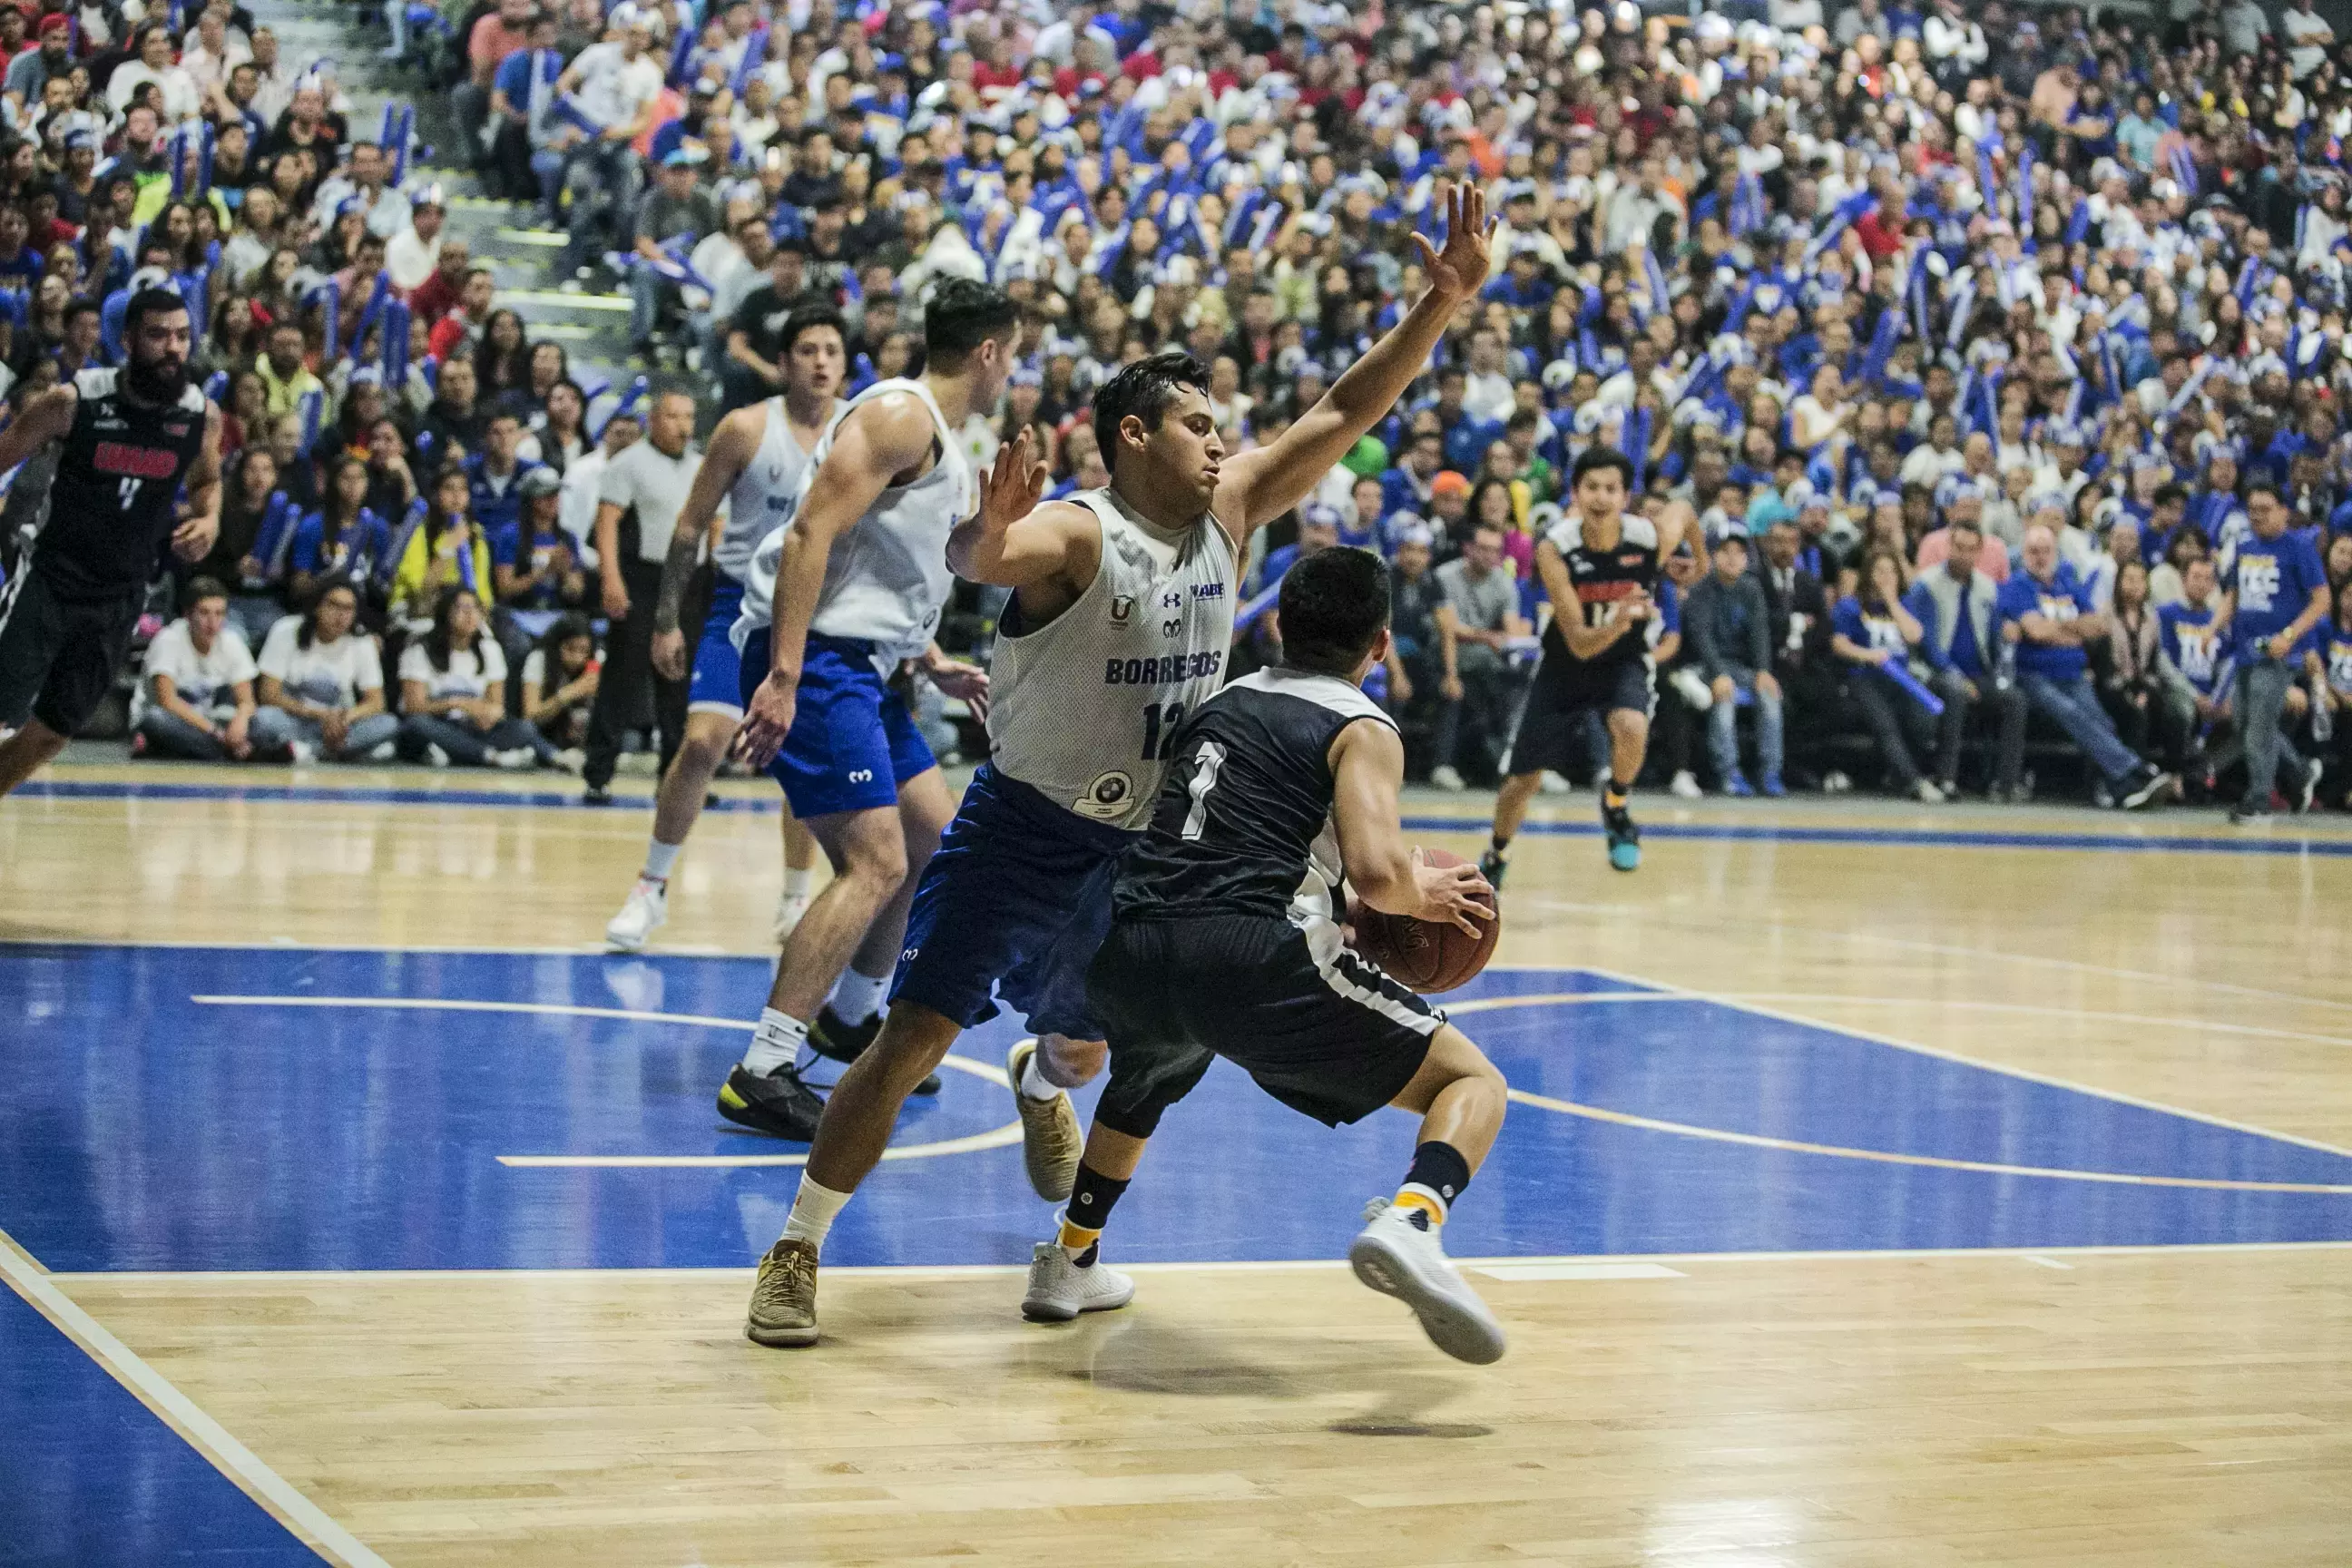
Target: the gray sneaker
pixel 1060 1288
pixel 1396 1254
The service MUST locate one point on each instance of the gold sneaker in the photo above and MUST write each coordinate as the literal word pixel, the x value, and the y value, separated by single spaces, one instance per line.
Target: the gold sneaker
pixel 784 1302
pixel 1051 1138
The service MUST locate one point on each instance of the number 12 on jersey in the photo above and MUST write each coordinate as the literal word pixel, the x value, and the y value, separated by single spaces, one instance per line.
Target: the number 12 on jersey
pixel 1159 731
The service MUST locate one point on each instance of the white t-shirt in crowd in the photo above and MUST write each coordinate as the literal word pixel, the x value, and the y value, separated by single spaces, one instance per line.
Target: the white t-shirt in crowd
pixel 655 484
pixel 612 90
pixel 326 674
pixel 470 674
pixel 205 681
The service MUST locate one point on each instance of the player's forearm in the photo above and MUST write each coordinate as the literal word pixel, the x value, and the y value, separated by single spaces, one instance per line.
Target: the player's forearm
pixel 677 570
pixel 800 579
pixel 608 542
pixel 1370 387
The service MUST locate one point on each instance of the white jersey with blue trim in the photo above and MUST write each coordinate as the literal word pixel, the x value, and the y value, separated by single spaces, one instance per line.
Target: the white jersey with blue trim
pixel 767 488
pixel 886 580
pixel 1085 708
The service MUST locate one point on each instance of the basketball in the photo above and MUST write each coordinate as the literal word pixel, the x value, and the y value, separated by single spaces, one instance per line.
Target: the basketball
pixel 1424 954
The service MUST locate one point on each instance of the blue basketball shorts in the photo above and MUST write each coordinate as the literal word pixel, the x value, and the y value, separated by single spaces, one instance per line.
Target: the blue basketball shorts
pixel 853 742
pixel 1010 910
pixel 716 686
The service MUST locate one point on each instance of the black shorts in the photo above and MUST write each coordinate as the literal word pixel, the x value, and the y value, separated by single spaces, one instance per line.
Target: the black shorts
pixel 1551 732
pixel 1316 1024
pixel 58 656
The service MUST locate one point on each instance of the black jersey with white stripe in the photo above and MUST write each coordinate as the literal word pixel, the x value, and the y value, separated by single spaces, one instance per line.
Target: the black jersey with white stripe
pixel 1247 799
pixel 119 471
pixel 1603 581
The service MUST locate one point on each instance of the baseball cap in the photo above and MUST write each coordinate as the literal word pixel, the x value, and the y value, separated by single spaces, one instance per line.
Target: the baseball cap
pixel 1448 482
pixel 540 481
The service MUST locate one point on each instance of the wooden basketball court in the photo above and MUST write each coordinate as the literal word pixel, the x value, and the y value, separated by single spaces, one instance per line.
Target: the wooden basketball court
pixel 1884 1184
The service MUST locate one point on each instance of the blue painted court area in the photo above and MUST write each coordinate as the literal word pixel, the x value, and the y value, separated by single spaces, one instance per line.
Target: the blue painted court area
pixel 90 1477
pixel 147 1129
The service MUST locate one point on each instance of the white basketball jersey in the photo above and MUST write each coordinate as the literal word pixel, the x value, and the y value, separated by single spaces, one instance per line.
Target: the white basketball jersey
pixel 887 578
pixel 1085 709
pixel 766 489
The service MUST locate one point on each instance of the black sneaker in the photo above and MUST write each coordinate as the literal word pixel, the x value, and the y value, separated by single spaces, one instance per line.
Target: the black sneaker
pixel 778 1103
pixel 835 1041
pixel 1491 866
pixel 2244 815
pixel 596 795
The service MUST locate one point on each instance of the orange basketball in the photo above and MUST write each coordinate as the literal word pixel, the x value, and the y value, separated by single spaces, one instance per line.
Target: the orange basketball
pixel 1423 954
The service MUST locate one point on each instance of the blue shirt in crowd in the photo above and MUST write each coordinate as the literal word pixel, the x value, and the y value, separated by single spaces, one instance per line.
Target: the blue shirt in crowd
pixel 2061 599
pixel 2273 579
pixel 2186 632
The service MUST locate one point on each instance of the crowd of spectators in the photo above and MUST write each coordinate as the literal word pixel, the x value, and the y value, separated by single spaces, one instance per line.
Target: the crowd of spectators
pixel 1999 351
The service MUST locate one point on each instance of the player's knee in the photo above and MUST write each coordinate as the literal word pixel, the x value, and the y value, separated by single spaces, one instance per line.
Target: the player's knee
pixel 913 1042
pixel 876 860
pixel 1066 1063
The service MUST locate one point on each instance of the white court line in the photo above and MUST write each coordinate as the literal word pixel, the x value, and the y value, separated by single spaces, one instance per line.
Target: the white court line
pixel 1950 949
pixel 206 1435
pixel 2038 1261
pixel 1840 998
pixel 1007 1270
pixel 1940 1055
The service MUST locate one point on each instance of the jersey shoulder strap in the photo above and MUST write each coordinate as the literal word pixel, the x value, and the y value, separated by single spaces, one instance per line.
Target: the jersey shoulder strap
pixel 95 384
pixel 1326 692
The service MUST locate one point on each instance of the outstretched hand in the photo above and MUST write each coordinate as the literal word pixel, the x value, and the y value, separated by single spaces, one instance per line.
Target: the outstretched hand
pixel 1010 489
pixel 1459 269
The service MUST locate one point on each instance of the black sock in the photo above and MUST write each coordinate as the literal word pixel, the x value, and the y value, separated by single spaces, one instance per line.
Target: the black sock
pixel 1091 1200
pixel 1502 842
pixel 1441 1168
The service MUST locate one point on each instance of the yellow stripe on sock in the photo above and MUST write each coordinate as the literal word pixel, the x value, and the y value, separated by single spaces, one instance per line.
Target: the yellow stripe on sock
pixel 1077 1237
pixel 1421 1200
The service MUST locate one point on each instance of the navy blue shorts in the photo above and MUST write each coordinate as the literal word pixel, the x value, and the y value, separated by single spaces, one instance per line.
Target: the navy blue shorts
pixel 853 742
pixel 1011 909
pixel 718 680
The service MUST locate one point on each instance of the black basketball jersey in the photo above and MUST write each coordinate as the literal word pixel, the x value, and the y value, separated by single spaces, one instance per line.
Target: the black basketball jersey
pixel 117 475
pixel 1246 800
pixel 1604 580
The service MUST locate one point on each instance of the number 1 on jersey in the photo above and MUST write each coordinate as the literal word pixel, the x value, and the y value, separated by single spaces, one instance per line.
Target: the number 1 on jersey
pixel 130 493
pixel 1205 764
pixel 1159 731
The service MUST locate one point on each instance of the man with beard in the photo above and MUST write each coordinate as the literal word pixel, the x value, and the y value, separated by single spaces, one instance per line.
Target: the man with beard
pixel 130 438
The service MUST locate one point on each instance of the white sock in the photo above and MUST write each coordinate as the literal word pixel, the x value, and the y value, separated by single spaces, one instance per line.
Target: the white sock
pixel 857 997
pixel 796 883
pixel 776 1043
pixel 813 1208
pixel 659 858
pixel 1032 1084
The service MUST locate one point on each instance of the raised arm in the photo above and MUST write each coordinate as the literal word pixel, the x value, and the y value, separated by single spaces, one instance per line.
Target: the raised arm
pixel 877 441
pixel 1259 486
pixel 1011 542
pixel 45 418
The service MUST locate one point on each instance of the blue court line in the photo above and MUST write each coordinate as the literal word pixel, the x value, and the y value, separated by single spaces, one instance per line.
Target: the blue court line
pixel 1765 832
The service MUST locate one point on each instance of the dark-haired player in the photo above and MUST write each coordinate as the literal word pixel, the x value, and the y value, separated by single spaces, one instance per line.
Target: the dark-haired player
pixel 846 586
pixel 1226 942
pixel 132 439
pixel 1600 569
pixel 1120 617
pixel 753 467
